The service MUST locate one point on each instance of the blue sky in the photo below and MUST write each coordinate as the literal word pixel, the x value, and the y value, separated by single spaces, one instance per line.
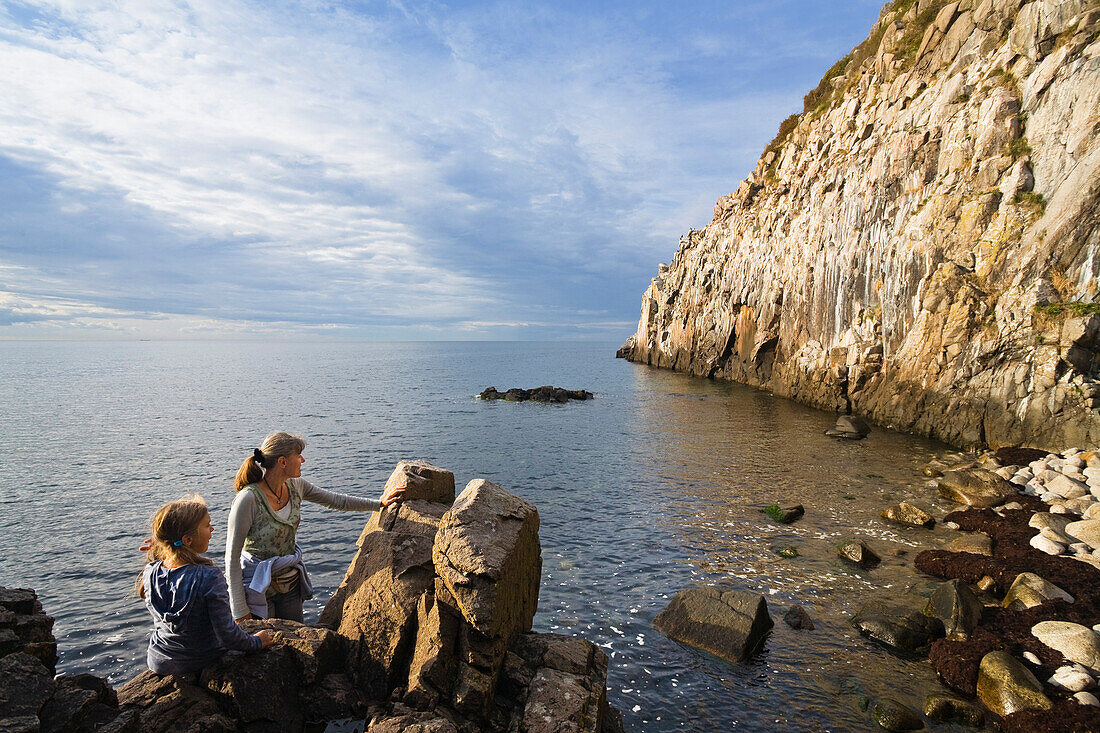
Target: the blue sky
pixel 379 170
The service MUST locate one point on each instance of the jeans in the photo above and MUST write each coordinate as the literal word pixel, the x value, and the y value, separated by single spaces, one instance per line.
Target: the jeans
pixel 286 605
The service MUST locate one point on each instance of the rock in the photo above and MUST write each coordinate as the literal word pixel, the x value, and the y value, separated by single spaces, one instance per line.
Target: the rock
pixel 403 720
pixel 423 482
pixel 1071 679
pixel 784 515
pixel 1077 643
pixel 957 607
pixel 28 684
pixel 171 704
pixel 538 394
pixel 1052 526
pixel 81 702
pixel 895 716
pixel 1050 547
pixel 1087 698
pixel 1005 686
pixel 855 551
pixel 975 543
pixel 906 513
pixel 728 623
pixel 1032 659
pixel 798 618
pixel 902 629
pixel 944 708
pixel 850 427
pixel 1064 486
pixel 1029 590
pixel 986 584
pixel 787 552
pixel 1085 530
pixel 975 487
pixel 432 669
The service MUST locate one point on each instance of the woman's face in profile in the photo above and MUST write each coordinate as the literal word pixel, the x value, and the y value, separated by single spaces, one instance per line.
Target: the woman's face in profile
pixel 294 465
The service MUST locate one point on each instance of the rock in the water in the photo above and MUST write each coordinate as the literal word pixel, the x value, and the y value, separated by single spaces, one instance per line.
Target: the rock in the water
pixel 975 543
pixel 957 607
pixel 730 624
pixel 944 708
pixel 850 427
pixel 906 513
pixel 1086 530
pixel 855 551
pixel 1029 590
pixel 902 629
pixel 1006 686
pixel 975 487
pixel 895 716
pixel 1077 643
pixel 538 394
pixel 798 618
pixel 785 514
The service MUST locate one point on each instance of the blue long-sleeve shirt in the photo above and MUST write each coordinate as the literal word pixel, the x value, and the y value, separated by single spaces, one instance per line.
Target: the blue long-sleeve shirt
pixel 192 623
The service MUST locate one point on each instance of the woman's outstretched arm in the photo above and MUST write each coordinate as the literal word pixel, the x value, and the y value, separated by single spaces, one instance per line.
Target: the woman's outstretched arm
pixel 333 500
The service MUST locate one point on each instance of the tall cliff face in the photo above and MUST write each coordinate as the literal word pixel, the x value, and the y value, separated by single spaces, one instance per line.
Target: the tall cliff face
pixel 922 244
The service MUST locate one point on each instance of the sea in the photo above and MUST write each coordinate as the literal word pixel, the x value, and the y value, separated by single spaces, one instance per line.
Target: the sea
pixel 653 486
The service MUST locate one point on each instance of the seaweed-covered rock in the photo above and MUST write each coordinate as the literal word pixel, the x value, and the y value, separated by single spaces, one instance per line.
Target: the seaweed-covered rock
pixel 944 708
pixel 785 514
pixel 728 623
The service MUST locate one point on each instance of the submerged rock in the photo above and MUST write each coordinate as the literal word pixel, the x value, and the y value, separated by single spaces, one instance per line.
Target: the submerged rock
pixel 785 514
pixel 850 427
pixel 909 514
pixel 798 618
pixel 730 624
pixel 902 629
pixel 944 708
pixel 1006 686
pixel 856 552
pixel 895 716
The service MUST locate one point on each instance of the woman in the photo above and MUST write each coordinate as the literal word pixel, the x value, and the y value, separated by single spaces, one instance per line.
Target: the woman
pixel 267 577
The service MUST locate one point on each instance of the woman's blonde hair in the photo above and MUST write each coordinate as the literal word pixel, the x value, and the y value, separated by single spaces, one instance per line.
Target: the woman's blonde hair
pixel 170 525
pixel 263 458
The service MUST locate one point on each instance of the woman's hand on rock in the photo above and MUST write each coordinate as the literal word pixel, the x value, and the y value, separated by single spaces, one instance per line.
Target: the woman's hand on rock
pixel 265 637
pixel 392 494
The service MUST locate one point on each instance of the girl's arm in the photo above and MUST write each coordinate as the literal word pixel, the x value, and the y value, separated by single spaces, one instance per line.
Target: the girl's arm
pixel 343 502
pixel 240 521
pixel 226 630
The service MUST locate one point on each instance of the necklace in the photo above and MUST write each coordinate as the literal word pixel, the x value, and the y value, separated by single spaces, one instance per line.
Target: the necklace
pixel 278 497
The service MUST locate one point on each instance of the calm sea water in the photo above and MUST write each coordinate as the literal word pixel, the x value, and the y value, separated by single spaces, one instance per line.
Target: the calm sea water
pixel 654 485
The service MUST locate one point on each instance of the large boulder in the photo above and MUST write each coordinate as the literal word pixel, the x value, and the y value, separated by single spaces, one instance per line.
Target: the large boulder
pixel 155 704
pixel 423 482
pixel 1077 643
pixel 1029 590
pixel 956 605
pixel 975 487
pixel 728 623
pixel 901 629
pixel 1006 686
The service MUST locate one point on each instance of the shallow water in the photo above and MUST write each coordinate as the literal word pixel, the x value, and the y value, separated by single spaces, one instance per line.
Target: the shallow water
pixel 654 485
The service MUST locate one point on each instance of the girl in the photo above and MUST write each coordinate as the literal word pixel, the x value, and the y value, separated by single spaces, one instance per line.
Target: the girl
pixel 267 577
pixel 186 594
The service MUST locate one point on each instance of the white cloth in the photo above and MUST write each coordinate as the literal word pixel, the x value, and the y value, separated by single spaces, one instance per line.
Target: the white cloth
pixel 256 575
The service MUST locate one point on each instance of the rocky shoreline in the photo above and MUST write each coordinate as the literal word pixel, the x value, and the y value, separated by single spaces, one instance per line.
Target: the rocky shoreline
pixel 430 631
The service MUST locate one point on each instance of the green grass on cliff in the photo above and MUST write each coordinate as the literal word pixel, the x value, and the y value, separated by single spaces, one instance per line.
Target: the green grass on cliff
pixel 1073 309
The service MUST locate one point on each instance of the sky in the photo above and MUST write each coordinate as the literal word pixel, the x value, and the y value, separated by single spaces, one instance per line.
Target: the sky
pixel 377 170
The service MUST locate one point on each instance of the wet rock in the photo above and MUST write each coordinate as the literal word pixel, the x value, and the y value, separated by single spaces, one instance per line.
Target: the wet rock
pixel 728 623
pixel 785 515
pixel 1077 643
pixel 902 629
pixel 855 551
pixel 957 607
pixel 944 708
pixel 850 427
pixel 909 514
pixel 1029 590
pixel 975 543
pixel 787 552
pixel 1006 686
pixel 895 716
pixel 798 618
pixel 975 487
pixel 538 394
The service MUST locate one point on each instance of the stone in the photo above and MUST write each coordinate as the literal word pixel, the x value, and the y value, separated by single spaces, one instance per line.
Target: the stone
pixel 902 629
pixel 1043 544
pixel 1071 679
pixel 1077 643
pixel 974 543
pixel 856 552
pixel 957 607
pixel 1087 698
pixel 81 702
pixel 944 708
pixel 1085 530
pixel 986 584
pixel 545 393
pixel 28 684
pixel 1029 590
pixel 1006 686
pixel 798 618
pixel 895 716
pixel 432 669
pixel 975 487
pixel 423 481
pixel 785 515
pixel 1052 526
pixel 850 427
pixel 171 704
pixel 909 514
pixel 1032 659
pixel 727 623
pixel 403 720
pixel 1064 486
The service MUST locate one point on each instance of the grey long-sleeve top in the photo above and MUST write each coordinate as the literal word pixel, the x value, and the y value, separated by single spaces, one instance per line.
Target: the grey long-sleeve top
pixel 250 509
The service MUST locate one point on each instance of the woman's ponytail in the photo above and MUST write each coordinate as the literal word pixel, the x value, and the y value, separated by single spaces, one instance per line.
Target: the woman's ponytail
pixel 250 471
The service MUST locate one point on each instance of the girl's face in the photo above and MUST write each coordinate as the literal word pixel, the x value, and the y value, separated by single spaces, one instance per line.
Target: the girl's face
pixel 199 539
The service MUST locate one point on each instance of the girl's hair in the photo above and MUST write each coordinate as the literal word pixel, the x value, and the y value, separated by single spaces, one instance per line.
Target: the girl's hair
pixel 274 445
pixel 169 526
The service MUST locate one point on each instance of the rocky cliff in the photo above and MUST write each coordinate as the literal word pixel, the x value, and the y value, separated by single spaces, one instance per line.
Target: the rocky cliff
pixel 921 244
